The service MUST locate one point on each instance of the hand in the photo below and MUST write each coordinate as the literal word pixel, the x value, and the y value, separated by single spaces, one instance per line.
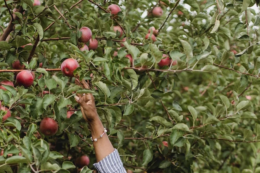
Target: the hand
pixel 87 103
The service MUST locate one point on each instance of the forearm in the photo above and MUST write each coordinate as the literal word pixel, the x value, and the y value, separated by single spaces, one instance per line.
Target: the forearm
pixel 103 146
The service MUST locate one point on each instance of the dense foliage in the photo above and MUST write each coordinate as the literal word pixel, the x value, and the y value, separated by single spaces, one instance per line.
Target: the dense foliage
pixel 198 113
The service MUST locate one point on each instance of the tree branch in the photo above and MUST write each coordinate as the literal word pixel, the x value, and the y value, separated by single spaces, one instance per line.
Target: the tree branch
pixel 98 6
pixel 167 112
pixel 245 90
pixel 62 16
pixel 34 48
pixel 176 4
pixel 48 27
pixel 56 39
pixel 12 70
pixel 248 74
pixel 9 10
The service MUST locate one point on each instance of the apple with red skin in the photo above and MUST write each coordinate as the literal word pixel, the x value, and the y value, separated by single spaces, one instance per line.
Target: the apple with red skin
pixel 150 37
pixel 152 29
pixel 36 3
pixel 9 83
pixel 7 115
pixel 166 61
pixel 25 78
pixel 17 65
pixel 86 34
pixel 68 66
pixel 157 11
pixel 115 53
pixel 129 171
pixel 82 161
pixel 2 153
pixel 93 44
pixel 49 126
pixel 119 29
pixel 45 92
pixel 85 47
pixel 40 64
pixel 180 13
pixel 165 143
pixel 114 9
pixel 234 51
pixel 130 58
pixel 69 113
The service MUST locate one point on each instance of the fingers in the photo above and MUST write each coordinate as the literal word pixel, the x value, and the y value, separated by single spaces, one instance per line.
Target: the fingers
pixel 85 84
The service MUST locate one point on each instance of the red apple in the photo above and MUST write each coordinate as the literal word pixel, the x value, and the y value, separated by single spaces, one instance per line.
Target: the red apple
pixel 29 44
pixel 7 115
pixel 25 78
pixel 248 97
pixel 114 9
pixel 157 11
pixel 165 143
pixel 166 61
pixel 48 126
pixel 93 44
pixel 82 161
pixel 234 51
pixel 36 3
pixel 129 171
pixel 180 13
pixel 130 58
pixel 69 113
pixel 152 29
pixel 40 64
pixel 115 53
pixel 2 152
pixel 45 92
pixel 86 34
pixel 68 66
pixel 119 29
pixel 9 83
pixel 85 47
pixel 150 37
pixel 17 65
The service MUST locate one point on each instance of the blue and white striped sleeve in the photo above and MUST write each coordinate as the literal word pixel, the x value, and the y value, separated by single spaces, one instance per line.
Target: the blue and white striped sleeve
pixel 110 164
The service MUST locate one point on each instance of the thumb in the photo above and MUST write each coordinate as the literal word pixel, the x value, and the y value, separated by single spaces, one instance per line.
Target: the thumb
pixel 76 98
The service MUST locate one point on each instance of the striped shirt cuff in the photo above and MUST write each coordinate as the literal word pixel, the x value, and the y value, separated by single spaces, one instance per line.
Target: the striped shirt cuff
pixel 110 164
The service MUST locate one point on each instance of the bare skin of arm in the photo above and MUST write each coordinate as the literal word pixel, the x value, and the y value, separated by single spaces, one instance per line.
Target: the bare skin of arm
pixel 103 146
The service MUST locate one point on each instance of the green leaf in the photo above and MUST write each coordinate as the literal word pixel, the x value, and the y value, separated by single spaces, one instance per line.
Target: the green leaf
pixel 210 68
pixel 74 140
pixel 68 165
pixel 193 113
pixel 27 154
pixel 47 166
pixel 42 70
pixel 216 26
pixel 31 130
pixel 165 164
pixel 225 100
pixel 246 4
pixel 63 102
pixel 16 160
pixel 61 83
pixel 157 54
pixel 2 159
pixel 36 155
pixel 134 51
pixel 48 99
pixel 103 87
pixel 86 170
pixel 147 157
pixel 120 136
pixel 161 121
pixel 182 127
pixel 28 2
pixel 187 49
pixel 33 63
pixel 242 105
pixel 39 29
pixel 4 45
pixel 14 123
pixel 51 84
pixel 129 109
pixel 175 135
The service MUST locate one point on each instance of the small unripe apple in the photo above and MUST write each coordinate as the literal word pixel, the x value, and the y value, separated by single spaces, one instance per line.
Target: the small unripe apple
pixel 150 37
pixel 157 11
pixel 85 47
pixel 17 65
pixel 68 66
pixel 69 113
pixel 7 115
pixel 130 58
pixel 93 44
pixel 165 143
pixel 86 34
pixel 25 78
pixel 153 30
pixel 36 3
pixel 180 13
pixel 9 83
pixel 82 161
pixel 114 9
pixel 29 44
pixel 119 29
pixel 49 126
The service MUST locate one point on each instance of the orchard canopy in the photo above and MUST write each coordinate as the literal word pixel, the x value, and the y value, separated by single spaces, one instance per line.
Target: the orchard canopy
pixel 176 83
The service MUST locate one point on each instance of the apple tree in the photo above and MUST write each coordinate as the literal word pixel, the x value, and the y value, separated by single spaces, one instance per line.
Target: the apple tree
pixel 176 83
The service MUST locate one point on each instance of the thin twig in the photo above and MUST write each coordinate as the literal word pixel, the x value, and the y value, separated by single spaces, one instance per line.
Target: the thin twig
pixel 235 141
pixel 34 48
pixel 12 70
pixel 9 10
pixel 160 70
pixel 136 27
pixel 98 6
pixel 248 74
pixel 48 27
pixel 56 39
pixel 244 90
pixel 62 16
pixel 167 112
pixel 176 4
